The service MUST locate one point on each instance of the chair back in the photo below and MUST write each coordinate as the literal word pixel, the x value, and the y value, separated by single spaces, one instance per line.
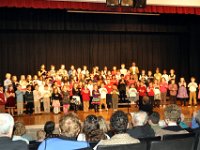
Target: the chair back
pixel 177 136
pixel 140 146
pixel 176 144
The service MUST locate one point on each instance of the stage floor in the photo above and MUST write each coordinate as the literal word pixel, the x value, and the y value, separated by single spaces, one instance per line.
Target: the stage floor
pixel 42 118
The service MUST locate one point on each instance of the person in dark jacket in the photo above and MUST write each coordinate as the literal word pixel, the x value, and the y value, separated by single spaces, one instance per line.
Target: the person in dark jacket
pixel 6 129
pixel 146 105
pixel 122 88
pixel 28 98
pixel 141 128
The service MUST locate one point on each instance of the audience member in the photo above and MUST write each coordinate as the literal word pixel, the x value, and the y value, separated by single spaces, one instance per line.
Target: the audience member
pixel 70 127
pixel 49 128
pixel 103 125
pixel 19 131
pixel 153 121
pixel 141 128
pixel 91 131
pixel 172 114
pixel 146 105
pixel 33 145
pixel 181 122
pixel 6 129
pixel 194 123
pixel 40 135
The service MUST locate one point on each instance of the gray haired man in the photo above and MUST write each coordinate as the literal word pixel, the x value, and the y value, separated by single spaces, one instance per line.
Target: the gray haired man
pixel 6 130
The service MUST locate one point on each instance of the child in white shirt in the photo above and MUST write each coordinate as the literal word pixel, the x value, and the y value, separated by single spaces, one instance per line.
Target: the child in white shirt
pixel 103 91
pixel 193 88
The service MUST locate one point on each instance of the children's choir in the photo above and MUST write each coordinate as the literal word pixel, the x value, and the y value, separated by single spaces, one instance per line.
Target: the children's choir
pixel 80 88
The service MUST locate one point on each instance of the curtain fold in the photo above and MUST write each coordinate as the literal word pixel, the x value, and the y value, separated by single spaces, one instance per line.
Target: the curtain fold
pixel 31 37
pixel 83 6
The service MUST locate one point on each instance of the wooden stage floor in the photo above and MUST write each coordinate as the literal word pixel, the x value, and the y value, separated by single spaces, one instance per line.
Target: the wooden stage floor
pixel 42 118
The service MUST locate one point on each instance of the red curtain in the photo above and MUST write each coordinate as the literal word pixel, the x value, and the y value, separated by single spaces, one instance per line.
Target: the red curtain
pixel 82 6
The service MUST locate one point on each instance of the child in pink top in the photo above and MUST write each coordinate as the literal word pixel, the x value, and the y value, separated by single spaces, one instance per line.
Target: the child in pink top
pixel 163 91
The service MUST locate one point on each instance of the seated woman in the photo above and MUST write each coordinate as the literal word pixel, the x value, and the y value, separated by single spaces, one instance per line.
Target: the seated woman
pixel 103 126
pixel 91 131
pixel 19 132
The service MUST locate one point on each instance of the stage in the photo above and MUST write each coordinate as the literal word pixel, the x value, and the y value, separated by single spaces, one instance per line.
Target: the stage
pixel 40 119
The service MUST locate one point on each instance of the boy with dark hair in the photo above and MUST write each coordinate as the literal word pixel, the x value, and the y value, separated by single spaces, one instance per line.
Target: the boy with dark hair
pixel 28 98
pixel 154 119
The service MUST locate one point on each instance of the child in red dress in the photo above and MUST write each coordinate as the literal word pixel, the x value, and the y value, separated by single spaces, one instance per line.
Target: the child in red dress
pixel 2 100
pixel 85 92
pixel 10 104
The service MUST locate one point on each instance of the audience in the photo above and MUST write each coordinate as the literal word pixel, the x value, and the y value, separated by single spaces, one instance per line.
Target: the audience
pixel 141 128
pixel 6 130
pixel 95 130
pixel 119 123
pixel 69 127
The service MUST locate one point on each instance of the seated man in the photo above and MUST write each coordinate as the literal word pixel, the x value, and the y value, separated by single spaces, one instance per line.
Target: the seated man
pixel 118 124
pixel 172 114
pixel 6 129
pixel 70 127
pixel 141 129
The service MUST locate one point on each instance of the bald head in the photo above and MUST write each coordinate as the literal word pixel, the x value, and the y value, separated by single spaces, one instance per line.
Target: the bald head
pixel 6 124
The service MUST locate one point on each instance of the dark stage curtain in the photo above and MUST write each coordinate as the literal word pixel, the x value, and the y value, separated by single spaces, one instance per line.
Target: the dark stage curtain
pixel 29 38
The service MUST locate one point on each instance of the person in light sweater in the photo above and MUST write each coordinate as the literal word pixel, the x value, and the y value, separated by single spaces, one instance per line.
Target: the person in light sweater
pixel 20 99
pixel 46 98
pixel 132 93
pixel 123 70
pixel 103 91
pixel 37 99
pixel 7 81
pixel 192 88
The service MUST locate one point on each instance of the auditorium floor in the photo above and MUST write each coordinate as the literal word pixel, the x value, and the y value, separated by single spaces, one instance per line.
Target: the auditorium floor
pixel 42 118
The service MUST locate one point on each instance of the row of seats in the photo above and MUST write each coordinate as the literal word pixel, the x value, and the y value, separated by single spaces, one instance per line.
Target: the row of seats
pixel 168 142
